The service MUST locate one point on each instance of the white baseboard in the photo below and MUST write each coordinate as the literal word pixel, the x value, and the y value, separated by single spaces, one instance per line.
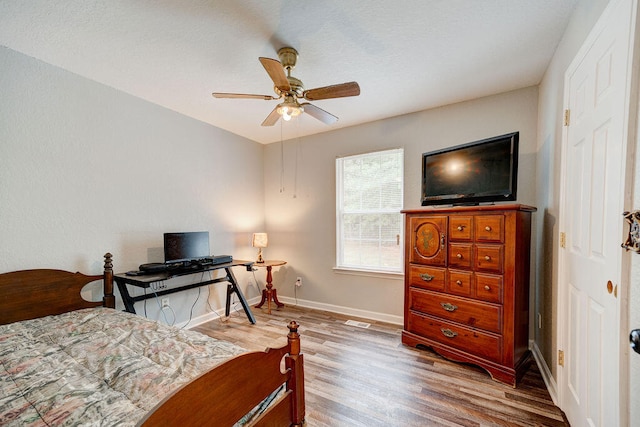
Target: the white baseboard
pixel 549 381
pixel 349 311
pixel 213 315
pixel 372 315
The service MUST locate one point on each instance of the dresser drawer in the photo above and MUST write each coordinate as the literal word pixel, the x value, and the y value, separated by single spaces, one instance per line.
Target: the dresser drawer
pixel 485 345
pixel 489 228
pixel 460 228
pixel 460 255
pixel 489 258
pixel 460 282
pixel 427 277
pixel 489 287
pixel 475 314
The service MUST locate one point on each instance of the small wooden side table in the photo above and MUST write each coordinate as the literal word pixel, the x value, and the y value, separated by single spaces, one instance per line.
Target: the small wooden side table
pixel 269 293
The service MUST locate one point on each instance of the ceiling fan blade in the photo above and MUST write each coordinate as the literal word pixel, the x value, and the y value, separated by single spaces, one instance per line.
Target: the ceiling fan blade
pixel 242 95
pixel 319 113
pixel 334 91
pixel 272 118
pixel 276 72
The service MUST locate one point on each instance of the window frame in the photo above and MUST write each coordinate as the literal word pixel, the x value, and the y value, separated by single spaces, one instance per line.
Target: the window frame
pixel 356 269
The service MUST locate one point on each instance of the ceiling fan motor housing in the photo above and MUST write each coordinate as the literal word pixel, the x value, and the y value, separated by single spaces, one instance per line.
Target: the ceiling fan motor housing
pixel 288 57
pixel 297 88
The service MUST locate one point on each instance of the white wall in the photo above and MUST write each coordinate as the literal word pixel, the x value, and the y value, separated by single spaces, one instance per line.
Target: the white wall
pixel 301 219
pixel 86 169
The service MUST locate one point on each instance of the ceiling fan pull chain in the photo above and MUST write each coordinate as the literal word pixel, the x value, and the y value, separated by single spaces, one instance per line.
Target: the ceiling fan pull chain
pixel 281 161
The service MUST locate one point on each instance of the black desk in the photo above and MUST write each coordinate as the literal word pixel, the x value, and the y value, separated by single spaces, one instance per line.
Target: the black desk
pixel 145 281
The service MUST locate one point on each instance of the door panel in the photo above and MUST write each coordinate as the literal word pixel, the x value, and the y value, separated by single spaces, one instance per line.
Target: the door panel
pixel 596 322
pixel 599 190
pixel 575 197
pixel 572 354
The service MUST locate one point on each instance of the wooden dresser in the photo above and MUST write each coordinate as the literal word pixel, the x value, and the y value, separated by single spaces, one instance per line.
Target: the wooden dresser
pixel 467 285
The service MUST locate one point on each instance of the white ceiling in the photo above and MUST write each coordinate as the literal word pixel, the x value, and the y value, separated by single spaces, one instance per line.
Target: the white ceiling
pixel 407 55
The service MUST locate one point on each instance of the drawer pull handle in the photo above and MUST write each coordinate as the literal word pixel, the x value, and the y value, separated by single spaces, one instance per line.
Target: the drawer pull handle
pixel 487 287
pixel 460 227
pixel 459 256
pixel 459 282
pixel 442 240
pixel 449 307
pixel 487 257
pixel 426 277
pixel 487 228
pixel 448 333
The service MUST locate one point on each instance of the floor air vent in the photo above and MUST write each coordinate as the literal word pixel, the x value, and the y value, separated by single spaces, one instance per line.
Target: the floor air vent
pixel 357 324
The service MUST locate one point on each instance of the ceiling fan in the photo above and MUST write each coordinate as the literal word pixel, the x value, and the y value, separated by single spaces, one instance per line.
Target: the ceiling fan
pixel 291 89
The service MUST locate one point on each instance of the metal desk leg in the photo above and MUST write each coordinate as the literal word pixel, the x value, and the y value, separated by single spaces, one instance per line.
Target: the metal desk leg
pixel 233 287
pixel 126 298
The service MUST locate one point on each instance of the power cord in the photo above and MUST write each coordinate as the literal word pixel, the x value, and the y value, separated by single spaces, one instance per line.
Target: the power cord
pixel 211 308
pixel 295 294
pixel 255 279
pixel 220 318
pixel 192 307
pixel 162 310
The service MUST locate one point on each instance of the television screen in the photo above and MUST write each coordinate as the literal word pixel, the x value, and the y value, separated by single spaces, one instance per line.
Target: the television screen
pixel 186 246
pixel 481 171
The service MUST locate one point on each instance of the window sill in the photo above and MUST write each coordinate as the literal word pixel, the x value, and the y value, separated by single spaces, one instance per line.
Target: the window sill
pixel 370 273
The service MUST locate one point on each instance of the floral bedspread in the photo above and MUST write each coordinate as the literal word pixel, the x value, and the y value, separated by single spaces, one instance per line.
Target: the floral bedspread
pixel 96 367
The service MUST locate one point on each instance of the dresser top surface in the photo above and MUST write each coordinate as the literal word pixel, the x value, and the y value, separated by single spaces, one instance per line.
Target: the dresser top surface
pixel 476 208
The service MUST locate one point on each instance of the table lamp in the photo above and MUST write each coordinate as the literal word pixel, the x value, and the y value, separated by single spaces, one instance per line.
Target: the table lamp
pixel 259 241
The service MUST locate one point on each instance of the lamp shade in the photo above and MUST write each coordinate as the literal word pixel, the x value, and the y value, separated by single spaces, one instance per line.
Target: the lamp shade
pixel 260 240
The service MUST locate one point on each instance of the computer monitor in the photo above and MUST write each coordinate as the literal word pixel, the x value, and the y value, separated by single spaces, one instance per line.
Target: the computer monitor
pixel 180 247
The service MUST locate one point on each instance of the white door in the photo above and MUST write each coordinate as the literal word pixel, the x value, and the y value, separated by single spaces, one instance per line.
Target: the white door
pixel 593 195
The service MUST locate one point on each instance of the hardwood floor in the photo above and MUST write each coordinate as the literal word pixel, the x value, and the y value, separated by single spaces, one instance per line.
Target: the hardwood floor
pixel 367 377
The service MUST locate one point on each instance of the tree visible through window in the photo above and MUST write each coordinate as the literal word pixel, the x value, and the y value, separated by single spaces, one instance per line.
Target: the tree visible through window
pixel 369 200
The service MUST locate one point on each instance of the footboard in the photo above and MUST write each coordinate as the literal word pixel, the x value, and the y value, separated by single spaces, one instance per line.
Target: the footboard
pixel 225 394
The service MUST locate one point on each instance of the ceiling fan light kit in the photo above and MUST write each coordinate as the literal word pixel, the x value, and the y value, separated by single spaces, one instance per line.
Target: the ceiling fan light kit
pixel 291 88
pixel 288 112
pixel 289 108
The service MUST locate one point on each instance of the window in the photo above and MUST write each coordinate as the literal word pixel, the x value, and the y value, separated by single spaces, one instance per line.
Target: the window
pixel 369 194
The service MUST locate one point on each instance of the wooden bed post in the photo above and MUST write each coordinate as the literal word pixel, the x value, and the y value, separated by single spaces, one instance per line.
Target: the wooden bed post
pixel 296 382
pixel 108 300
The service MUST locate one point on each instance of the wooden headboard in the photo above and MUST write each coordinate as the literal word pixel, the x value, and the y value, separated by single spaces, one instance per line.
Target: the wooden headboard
pixel 29 294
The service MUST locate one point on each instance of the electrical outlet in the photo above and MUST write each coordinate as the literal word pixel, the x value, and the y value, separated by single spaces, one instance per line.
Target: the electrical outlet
pixel 299 281
pixel 165 302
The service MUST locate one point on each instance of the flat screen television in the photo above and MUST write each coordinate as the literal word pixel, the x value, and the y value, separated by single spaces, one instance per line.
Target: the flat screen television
pixel 180 247
pixel 484 171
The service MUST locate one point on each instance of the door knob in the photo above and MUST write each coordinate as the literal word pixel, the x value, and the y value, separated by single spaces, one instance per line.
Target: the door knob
pixel 634 337
pixel 612 289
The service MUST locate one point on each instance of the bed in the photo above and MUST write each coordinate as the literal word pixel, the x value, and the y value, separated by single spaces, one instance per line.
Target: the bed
pixel 68 361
